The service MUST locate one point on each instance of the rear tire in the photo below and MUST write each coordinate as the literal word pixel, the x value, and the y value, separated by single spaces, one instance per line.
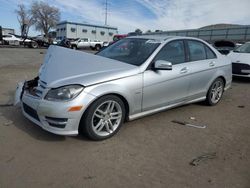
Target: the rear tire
pixel 215 92
pixel 103 118
pixel 34 45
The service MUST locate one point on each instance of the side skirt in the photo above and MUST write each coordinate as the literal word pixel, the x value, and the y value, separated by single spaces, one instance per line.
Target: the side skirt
pixel 149 112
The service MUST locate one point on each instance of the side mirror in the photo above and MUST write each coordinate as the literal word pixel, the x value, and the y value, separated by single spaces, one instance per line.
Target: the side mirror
pixel 162 65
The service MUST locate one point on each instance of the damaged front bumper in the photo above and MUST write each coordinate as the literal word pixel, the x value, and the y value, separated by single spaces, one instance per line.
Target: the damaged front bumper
pixel 52 116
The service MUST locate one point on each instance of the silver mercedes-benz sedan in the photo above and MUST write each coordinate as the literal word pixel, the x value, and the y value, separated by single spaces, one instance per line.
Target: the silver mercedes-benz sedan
pixel 134 77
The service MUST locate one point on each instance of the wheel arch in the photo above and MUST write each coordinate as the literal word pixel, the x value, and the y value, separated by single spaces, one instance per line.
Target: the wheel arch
pixel 124 100
pixel 216 77
pixel 223 78
pixel 220 76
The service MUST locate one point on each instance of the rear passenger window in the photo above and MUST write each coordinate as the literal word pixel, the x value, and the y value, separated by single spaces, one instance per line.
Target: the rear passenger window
pixel 210 53
pixel 196 50
pixel 173 52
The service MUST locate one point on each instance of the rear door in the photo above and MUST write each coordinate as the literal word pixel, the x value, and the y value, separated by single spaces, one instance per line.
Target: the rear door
pixel 202 66
pixel 166 87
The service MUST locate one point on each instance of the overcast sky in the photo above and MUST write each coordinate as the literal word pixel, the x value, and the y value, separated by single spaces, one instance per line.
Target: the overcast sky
pixel 129 15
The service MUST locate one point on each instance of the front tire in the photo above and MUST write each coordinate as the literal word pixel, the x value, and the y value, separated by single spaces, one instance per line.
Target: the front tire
pixel 97 47
pixel 215 92
pixel 103 118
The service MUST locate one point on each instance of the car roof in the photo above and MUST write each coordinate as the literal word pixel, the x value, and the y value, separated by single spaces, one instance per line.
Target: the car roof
pixel 161 38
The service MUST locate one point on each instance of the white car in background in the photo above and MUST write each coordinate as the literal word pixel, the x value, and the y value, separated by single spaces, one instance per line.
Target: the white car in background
pixel 87 43
pixel 14 40
pixel 11 39
pixel 240 58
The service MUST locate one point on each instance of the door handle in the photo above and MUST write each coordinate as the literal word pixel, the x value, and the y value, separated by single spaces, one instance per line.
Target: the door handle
pixel 184 70
pixel 212 64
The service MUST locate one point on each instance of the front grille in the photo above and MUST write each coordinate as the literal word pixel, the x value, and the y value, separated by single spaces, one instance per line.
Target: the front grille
pixel 237 67
pixel 30 111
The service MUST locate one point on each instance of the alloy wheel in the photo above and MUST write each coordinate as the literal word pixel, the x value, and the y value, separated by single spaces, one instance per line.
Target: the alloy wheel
pixel 106 118
pixel 216 91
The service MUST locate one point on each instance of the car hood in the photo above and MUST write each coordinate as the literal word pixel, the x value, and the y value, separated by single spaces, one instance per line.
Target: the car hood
pixel 239 57
pixel 64 66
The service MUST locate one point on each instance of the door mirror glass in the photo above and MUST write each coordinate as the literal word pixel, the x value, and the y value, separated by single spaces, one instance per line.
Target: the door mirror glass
pixel 162 65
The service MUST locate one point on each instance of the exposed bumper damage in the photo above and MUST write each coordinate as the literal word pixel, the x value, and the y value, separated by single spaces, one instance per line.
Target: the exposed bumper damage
pixel 50 115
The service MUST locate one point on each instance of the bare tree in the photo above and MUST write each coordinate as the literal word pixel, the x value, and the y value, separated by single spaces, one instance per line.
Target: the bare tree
pixel 25 19
pixel 46 17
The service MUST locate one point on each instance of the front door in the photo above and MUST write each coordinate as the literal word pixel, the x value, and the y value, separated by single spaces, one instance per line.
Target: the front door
pixel 166 87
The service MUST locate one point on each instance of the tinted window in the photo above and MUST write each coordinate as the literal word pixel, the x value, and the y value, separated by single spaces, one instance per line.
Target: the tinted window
pixel 196 50
pixel 173 52
pixel 84 40
pixel 130 50
pixel 210 53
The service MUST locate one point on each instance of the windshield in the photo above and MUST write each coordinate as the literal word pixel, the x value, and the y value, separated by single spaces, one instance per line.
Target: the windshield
pixel 133 51
pixel 245 48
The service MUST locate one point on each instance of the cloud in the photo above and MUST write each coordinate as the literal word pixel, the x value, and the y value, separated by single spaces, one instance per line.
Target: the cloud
pixel 93 12
pixel 153 14
pixel 166 14
pixel 183 14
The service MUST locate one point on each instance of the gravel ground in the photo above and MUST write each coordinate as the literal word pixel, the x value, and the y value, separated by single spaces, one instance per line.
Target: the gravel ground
pixel 149 152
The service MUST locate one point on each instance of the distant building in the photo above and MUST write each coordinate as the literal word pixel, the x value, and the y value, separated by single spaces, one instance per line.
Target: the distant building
pixel 74 30
pixel 6 31
pixel 213 33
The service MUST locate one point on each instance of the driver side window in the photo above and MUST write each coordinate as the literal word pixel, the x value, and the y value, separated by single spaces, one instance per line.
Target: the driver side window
pixel 173 52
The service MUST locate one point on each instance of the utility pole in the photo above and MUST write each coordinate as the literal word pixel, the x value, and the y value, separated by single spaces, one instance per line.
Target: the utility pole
pixel 106 12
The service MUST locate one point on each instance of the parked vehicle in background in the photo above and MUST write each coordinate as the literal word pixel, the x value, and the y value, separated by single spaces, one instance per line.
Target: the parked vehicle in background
pixel 65 43
pixel 42 41
pixel 32 42
pixel 119 37
pixel 17 40
pixel 224 47
pixel 240 58
pixel 87 43
pixel 56 41
pixel 11 40
pixel 1 36
pixel 116 38
pixel 136 76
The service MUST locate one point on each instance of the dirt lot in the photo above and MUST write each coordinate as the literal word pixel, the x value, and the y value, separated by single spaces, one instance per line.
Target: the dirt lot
pixel 149 152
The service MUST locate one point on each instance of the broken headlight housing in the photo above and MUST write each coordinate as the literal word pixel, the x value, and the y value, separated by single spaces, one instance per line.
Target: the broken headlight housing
pixel 64 93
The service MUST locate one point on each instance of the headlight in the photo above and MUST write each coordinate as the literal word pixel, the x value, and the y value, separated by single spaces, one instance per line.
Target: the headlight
pixel 64 93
